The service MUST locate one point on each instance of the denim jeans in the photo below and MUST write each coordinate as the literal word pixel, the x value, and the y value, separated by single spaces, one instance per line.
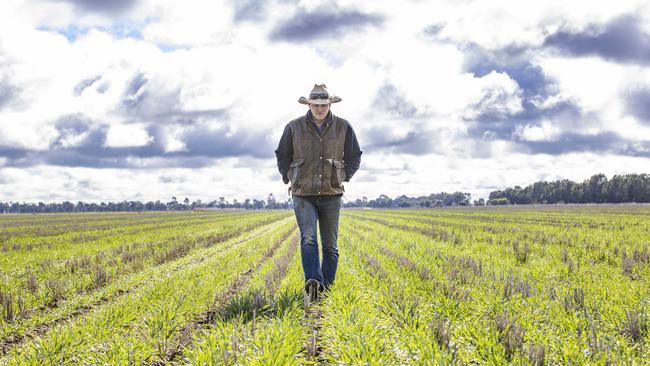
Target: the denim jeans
pixel 323 210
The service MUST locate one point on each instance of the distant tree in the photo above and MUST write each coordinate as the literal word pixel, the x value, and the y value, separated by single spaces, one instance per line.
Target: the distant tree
pixel 270 201
pixel 258 204
pixel 173 204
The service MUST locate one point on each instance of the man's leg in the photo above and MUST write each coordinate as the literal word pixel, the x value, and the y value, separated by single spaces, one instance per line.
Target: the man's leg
pixel 328 217
pixel 307 216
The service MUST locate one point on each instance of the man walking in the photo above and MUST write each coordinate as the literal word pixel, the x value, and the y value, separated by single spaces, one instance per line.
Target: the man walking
pixel 316 154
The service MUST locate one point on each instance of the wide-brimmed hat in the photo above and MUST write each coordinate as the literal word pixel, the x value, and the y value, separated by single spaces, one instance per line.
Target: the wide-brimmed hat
pixel 319 95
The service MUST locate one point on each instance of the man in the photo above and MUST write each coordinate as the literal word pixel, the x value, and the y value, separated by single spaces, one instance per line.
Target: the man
pixel 316 154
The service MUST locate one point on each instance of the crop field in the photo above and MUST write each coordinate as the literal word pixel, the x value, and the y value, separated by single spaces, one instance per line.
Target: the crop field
pixel 523 285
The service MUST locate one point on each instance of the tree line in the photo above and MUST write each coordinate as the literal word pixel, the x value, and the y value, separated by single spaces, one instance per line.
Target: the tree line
pixel 383 201
pixel 596 189
pixel 433 200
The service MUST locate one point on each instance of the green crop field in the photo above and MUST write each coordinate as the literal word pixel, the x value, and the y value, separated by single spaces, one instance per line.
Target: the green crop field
pixel 524 285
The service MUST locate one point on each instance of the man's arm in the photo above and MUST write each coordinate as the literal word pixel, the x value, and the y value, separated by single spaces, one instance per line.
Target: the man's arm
pixel 351 153
pixel 284 153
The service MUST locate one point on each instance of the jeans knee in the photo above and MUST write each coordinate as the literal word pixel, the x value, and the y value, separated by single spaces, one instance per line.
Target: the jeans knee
pixel 331 251
pixel 308 241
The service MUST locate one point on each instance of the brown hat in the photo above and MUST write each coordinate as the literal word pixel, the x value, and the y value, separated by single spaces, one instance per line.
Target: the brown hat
pixel 319 95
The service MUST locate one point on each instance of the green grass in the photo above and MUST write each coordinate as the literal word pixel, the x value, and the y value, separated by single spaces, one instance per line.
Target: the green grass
pixel 514 285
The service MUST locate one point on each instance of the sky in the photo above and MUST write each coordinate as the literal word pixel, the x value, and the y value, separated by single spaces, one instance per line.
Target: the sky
pixel 149 99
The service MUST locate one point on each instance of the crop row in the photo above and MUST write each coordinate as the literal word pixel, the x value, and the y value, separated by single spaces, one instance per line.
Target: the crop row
pixel 147 323
pixel 413 287
pixel 58 302
pixel 405 296
pixel 25 293
pixel 477 303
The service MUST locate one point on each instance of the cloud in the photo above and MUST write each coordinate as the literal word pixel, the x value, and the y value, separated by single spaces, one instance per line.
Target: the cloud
pixel 306 26
pixel 7 93
pixel 250 10
pixel 8 90
pixel 390 100
pixel 637 103
pixel 412 142
pixel 536 103
pixel 12 153
pixel 135 92
pixel 174 24
pixel 82 142
pixel 620 40
pixel 493 126
pixel 82 85
pixel 432 30
pixel 78 131
pixel 102 6
pixel 127 135
pixel 514 62
pixel 483 91
pixel 602 142
pixel 494 111
pixel 152 99
pixel 225 142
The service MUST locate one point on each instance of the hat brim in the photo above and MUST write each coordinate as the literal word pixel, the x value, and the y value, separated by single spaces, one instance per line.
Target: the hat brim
pixel 333 99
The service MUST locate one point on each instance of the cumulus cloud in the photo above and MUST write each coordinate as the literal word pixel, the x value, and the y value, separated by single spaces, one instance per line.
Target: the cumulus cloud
pixel 84 84
pixel 442 95
pixel 7 93
pixel 637 102
pixel 621 40
pixel 112 6
pixel 131 135
pixel 86 144
pixel 250 10
pixel 517 64
pixel 414 142
pixel 603 142
pixel 8 90
pixel 189 23
pixel 322 23
pixel 390 100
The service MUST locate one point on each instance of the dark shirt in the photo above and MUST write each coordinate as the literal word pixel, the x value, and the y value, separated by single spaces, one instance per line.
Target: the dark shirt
pixel 351 150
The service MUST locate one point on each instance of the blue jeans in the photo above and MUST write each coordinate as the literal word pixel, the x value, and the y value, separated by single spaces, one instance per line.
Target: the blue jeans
pixel 323 210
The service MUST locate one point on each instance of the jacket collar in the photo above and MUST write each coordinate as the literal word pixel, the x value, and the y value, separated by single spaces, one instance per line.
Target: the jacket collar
pixel 328 118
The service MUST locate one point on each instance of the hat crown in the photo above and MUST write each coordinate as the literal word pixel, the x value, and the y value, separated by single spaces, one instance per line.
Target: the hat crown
pixel 319 89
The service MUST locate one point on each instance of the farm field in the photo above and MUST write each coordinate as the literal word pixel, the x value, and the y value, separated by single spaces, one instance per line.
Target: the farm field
pixel 523 285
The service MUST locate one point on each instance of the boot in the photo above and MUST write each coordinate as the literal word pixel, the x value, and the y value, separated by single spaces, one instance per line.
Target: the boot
pixel 312 289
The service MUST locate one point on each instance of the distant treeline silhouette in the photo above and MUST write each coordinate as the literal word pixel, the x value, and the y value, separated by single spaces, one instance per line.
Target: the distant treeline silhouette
pixel 383 201
pixel 597 189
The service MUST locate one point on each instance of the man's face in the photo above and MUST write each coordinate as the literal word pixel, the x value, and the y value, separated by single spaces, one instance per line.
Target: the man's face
pixel 319 111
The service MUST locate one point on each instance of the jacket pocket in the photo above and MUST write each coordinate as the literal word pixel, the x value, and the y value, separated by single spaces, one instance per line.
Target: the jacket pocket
pixel 339 168
pixel 294 170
